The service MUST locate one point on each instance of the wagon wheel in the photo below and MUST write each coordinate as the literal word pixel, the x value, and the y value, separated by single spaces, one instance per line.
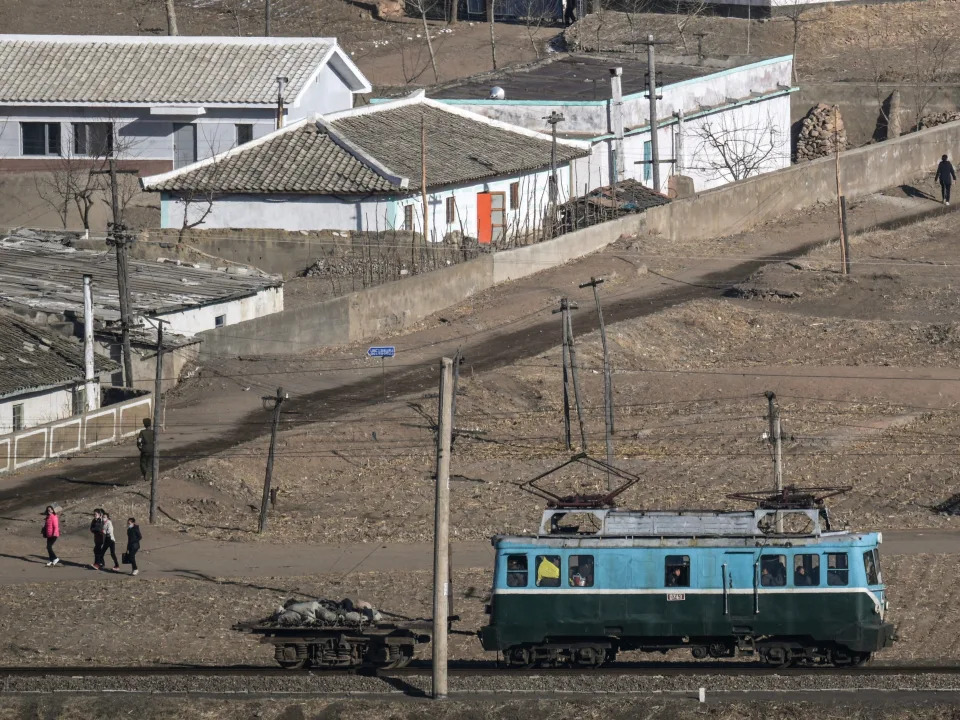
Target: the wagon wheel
pixel 293 664
pixel 778 656
pixel 850 659
pixel 520 658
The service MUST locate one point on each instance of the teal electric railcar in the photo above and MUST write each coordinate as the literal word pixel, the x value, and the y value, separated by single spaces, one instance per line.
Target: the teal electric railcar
pixel 717 583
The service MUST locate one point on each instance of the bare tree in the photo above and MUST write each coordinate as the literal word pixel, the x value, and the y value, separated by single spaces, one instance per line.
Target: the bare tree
pixel 686 11
pixel 171 18
pixel 928 53
pixel 423 7
pixel 796 12
pixel 730 149
pixel 536 13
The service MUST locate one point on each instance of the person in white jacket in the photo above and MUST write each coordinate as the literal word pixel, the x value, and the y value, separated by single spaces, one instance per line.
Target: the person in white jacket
pixel 109 541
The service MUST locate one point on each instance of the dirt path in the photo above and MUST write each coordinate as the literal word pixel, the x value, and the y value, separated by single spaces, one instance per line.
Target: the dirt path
pixel 495 329
pixel 171 554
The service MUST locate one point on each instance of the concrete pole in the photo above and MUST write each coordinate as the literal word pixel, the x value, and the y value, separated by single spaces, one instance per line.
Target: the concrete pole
pixel 678 161
pixel 441 533
pixel 652 89
pixel 616 123
pixel 157 392
pixel 268 477
pixel 773 412
pixel 91 394
pixel 266 18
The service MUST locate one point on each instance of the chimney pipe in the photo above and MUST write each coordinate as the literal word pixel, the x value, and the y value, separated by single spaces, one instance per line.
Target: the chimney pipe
pixel 91 391
pixel 616 124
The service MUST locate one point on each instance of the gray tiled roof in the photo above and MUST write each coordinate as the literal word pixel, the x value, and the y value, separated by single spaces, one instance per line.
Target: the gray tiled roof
pixel 155 70
pixel 32 357
pixel 306 160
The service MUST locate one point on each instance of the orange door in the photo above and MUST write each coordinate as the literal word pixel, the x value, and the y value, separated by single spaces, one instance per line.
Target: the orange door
pixel 484 225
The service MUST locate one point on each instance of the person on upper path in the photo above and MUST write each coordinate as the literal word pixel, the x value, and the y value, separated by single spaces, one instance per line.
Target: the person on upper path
pixel 51 531
pixel 96 527
pixel 134 536
pixel 109 541
pixel 145 445
pixel 945 176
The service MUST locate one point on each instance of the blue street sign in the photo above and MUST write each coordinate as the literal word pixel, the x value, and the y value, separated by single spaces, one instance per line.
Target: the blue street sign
pixel 382 352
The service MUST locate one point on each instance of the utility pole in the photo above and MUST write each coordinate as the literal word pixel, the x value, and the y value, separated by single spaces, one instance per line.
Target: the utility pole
pixel 566 370
pixel 281 84
pixel 836 147
pixel 119 239
pixel 773 412
pixel 90 388
pixel 423 181
pixel 575 375
pixel 552 119
pixel 652 92
pixel 277 402
pixel 441 532
pixel 157 392
pixel 266 18
pixel 607 377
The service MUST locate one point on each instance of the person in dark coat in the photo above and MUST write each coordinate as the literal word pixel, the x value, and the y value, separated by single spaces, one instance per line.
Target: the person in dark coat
pixel 134 537
pixel 570 12
pixel 145 445
pixel 945 176
pixel 96 527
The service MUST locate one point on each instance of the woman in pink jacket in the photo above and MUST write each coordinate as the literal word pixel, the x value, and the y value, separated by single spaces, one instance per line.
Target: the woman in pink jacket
pixel 51 531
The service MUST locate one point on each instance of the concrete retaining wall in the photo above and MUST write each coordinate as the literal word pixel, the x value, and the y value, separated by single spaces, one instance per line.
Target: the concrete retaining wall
pixel 739 206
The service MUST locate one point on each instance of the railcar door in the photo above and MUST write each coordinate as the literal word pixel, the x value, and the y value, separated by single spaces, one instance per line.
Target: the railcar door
pixel 740 585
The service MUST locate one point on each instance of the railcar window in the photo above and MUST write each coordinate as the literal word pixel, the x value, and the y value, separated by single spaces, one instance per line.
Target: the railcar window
pixel 838 571
pixel 580 571
pixel 870 568
pixel 548 571
pixel 876 560
pixel 516 570
pixel 806 570
pixel 677 571
pixel 773 570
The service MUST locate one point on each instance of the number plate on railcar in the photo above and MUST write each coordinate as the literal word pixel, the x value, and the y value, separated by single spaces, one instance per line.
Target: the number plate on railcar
pixel 674 597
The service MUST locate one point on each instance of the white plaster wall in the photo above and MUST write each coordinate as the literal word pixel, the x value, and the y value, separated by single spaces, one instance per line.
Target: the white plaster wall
pixel 38 408
pixel 327 94
pixel 689 96
pixel 190 322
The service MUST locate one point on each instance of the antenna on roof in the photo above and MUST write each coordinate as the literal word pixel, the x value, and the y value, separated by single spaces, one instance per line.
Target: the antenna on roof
pixel 577 500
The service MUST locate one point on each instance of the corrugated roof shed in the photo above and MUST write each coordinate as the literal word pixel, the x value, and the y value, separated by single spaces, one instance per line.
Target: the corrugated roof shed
pixel 307 158
pixel 146 70
pixel 32 358
pixel 48 276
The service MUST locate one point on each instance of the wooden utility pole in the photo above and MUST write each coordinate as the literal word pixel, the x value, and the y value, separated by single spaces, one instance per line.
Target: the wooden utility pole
pixel 491 11
pixel 171 18
pixel 423 179
pixel 552 119
pixel 441 532
pixel 773 413
pixel 607 378
pixel 566 372
pixel 652 92
pixel 836 147
pixel 277 402
pixel 157 393
pixel 266 18
pixel 576 377
pixel 119 239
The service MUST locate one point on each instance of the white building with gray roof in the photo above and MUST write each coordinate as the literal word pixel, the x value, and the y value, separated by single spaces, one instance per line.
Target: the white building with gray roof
pixel 158 103
pixel 362 170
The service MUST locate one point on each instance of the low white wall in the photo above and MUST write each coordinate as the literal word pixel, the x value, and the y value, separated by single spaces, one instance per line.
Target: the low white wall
pixel 194 320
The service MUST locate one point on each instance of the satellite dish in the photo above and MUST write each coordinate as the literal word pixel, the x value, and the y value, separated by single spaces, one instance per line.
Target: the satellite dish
pixel 497 93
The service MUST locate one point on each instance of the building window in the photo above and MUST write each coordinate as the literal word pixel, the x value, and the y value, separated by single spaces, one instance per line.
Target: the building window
pixel 580 571
pixel 93 139
pixel 244 133
pixel 548 571
pixel 220 321
pixel 18 417
pixel 677 571
pixel 408 217
pixel 516 570
pixel 451 211
pixel 514 196
pixel 40 138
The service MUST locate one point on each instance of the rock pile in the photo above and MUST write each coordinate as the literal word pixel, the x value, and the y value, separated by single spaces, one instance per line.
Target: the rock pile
pixel 934 119
pixel 820 132
pixel 325 612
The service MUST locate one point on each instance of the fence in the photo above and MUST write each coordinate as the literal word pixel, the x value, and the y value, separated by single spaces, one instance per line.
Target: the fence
pixel 109 424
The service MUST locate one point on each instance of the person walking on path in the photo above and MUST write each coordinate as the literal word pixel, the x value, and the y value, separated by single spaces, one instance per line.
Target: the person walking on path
pixel 109 541
pixel 945 176
pixel 96 527
pixel 51 531
pixel 133 543
pixel 145 445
